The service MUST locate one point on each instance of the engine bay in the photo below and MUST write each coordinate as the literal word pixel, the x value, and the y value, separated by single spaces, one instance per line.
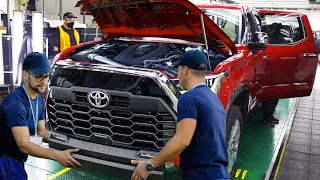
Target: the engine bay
pixel 151 55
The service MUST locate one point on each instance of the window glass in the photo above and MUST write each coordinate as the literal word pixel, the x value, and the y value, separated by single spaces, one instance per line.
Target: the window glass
pixel 283 28
pixel 227 20
pixel 257 23
pixel 248 32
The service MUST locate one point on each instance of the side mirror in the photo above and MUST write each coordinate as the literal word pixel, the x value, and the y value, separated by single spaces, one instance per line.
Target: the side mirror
pixel 261 41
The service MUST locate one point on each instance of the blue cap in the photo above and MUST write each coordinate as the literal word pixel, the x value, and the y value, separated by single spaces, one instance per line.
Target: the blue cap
pixel 37 63
pixel 192 59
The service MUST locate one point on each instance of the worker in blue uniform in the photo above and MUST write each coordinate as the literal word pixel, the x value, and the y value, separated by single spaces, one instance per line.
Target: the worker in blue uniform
pixel 22 122
pixel 200 137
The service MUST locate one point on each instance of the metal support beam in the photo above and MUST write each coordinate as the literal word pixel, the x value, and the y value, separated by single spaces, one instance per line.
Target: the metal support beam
pixel 37 31
pixel 17 4
pixel 16 45
pixel 60 10
pixel 8 17
pixel 47 46
pixel 1 58
pixel 84 22
pixel 44 8
pixel 9 34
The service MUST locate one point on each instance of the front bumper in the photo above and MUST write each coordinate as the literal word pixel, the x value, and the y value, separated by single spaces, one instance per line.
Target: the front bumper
pixel 105 160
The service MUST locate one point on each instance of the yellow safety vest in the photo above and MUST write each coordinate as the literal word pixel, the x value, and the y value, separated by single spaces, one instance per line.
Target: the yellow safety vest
pixel 65 39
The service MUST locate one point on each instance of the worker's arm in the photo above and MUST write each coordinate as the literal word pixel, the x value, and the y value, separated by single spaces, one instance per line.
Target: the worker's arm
pixel 42 130
pixel 186 126
pixel 55 48
pixel 184 133
pixel 16 113
pixel 21 136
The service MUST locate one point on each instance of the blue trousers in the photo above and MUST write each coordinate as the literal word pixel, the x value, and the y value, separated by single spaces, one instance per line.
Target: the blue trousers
pixel 12 169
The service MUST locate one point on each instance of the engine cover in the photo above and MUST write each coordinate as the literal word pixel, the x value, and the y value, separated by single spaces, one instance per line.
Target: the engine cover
pixel 137 53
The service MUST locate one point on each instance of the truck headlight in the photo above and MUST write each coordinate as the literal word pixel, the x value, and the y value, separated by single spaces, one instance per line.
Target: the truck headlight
pixel 218 81
pixel 54 60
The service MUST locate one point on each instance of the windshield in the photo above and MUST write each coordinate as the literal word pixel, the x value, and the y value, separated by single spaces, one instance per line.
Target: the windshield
pixel 227 20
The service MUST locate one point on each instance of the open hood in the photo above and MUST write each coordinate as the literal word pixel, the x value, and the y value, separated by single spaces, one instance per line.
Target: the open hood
pixel 155 18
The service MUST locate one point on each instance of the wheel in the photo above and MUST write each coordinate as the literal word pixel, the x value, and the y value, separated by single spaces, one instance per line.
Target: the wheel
pixel 234 130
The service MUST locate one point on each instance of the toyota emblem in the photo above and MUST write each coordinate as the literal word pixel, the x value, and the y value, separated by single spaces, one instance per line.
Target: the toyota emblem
pixel 98 99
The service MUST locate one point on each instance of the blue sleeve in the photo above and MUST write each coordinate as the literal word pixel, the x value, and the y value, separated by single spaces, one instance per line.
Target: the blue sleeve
pixel 41 108
pixel 16 113
pixel 187 107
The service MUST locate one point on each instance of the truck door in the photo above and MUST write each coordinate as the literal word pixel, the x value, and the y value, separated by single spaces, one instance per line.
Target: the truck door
pixel 291 56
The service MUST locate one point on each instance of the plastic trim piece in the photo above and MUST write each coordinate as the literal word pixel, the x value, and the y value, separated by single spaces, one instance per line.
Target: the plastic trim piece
pixel 103 164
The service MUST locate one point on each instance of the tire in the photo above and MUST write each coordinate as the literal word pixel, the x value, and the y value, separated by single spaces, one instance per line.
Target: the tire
pixel 233 131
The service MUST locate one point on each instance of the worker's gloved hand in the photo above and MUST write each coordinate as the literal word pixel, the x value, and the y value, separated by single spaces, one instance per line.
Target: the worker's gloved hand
pixel 65 158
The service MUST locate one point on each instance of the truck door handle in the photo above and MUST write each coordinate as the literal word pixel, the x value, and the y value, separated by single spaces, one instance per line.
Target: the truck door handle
pixel 265 57
pixel 309 55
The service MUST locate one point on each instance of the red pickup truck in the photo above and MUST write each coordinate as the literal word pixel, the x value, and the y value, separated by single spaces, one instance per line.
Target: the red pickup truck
pixel 116 99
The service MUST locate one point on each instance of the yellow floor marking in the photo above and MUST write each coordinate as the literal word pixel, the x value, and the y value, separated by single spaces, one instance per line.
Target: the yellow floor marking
pixel 238 173
pixel 281 156
pixel 59 173
pixel 244 174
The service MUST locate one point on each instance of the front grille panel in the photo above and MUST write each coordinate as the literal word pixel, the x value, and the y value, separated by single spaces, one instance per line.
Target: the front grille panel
pixel 63 115
pixel 63 102
pixel 64 123
pixel 100 122
pixel 120 101
pixel 80 108
pixel 144 128
pixel 81 116
pixel 64 109
pixel 65 130
pixel 123 114
pixel 144 144
pixel 121 124
pixel 101 130
pixel 83 124
pixel 116 100
pixel 121 138
pixel 82 131
pixel 81 96
pixel 99 114
pixel 145 136
pixel 147 120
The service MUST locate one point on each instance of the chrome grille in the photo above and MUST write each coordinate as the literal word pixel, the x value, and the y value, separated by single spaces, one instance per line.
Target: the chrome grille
pixel 120 124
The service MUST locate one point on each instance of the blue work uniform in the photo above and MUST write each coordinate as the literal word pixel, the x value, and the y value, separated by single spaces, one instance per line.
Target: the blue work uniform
pixel 206 156
pixel 15 110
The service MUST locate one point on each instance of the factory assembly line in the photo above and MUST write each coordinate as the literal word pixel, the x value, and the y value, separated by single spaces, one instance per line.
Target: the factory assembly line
pixel 116 99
